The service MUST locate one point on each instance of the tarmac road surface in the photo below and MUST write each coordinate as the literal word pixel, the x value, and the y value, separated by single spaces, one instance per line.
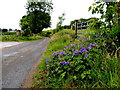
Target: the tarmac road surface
pixel 18 60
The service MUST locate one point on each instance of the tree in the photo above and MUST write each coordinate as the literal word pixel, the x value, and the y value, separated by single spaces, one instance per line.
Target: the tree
pixel 61 19
pixel 38 16
pixel 0 30
pixel 107 11
pixel 24 22
pixel 94 23
pixel 27 32
pixel 4 30
pixel 10 29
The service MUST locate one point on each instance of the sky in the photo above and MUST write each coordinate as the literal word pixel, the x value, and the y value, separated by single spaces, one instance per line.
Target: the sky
pixel 11 11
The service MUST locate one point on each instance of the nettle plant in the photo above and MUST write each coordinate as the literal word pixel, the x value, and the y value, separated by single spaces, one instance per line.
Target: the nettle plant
pixel 74 63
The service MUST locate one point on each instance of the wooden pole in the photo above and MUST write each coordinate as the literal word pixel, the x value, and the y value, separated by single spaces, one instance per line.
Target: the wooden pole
pixel 76 22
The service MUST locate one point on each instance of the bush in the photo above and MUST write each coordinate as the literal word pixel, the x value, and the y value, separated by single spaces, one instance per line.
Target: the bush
pixel 8 33
pixel 9 38
pixel 30 38
pixel 27 32
pixel 19 38
pixel 46 33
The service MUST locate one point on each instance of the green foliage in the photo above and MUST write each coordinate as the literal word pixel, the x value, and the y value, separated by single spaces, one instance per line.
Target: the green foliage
pixel 24 23
pixel 107 10
pixel 85 68
pixel 27 32
pixel 95 24
pixel 58 41
pixel 9 38
pixel 10 29
pixel 8 33
pixel 77 65
pixel 48 33
pixel 32 38
pixel 19 38
pixel 59 24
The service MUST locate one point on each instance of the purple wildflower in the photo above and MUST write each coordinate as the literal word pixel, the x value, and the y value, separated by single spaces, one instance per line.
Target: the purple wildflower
pixel 86 39
pixel 96 35
pixel 75 52
pixel 72 44
pixel 47 59
pixel 89 47
pixel 65 47
pixel 81 45
pixel 86 56
pixel 92 44
pixel 65 63
pixel 68 46
pixel 83 50
pixel 54 53
pixel 61 53
pixel 63 50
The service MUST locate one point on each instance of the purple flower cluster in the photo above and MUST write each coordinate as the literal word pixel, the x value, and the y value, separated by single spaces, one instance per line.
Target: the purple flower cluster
pixel 89 47
pixel 81 45
pixel 75 52
pixel 92 44
pixel 61 53
pixel 63 49
pixel 47 59
pixel 67 47
pixel 96 35
pixel 64 63
pixel 83 50
pixel 72 44
pixel 54 53
pixel 86 56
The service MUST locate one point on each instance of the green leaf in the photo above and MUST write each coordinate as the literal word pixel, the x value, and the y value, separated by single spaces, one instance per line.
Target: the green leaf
pixel 94 4
pixel 98 2
pixel 83 75
pixel 74 77
pixel 89 8
pixel 87 72
pixel 79 67
pixel 63 74
pixel 56 69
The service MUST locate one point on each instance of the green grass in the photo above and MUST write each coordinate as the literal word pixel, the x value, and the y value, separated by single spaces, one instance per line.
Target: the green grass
pixel 5 38
pixel 58 42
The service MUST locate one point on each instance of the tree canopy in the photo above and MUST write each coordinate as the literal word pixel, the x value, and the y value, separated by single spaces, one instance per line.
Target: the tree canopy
pixel 38 16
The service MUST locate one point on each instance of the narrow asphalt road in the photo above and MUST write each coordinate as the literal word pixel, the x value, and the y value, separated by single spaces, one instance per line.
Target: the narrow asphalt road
pixel 18 60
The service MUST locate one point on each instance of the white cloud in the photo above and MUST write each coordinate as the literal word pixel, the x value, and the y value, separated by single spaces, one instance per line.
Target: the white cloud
pixel 13 10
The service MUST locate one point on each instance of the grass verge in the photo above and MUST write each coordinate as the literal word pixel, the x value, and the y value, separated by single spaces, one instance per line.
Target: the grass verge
pixel 58 42
pixel 74 64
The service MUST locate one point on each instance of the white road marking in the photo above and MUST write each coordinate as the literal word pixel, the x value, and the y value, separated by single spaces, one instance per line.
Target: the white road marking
pixel 10 54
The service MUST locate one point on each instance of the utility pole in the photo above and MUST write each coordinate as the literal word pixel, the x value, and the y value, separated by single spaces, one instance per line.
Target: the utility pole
pixel 76 22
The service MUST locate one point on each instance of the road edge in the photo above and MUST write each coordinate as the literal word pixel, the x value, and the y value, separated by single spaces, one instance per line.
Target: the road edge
pixel 28 81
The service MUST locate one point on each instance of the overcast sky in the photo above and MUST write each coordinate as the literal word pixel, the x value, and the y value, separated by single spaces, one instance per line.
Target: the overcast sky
pixel 11 11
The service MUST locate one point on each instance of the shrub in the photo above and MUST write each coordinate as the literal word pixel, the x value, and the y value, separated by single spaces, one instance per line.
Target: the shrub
pixel 8 33
pixel 27 32
pixel 84 65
